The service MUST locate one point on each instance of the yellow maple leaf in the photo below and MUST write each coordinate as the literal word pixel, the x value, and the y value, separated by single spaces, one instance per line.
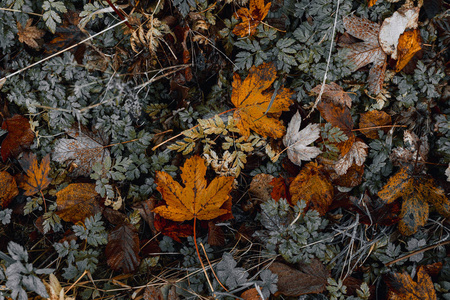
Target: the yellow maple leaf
pixel 195 199
pixel 252 102
pixel 251 18
pixel 36 178
pixel 402 286
pixel 417 192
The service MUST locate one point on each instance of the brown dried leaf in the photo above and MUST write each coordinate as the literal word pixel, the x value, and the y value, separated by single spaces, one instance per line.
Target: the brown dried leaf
pixel 29 34
pixel 368 51
pixel 312 186
pixel 334 93
pixel 174 230
pixel 402 286
pixel 84 150
pixel 409 44
pixel 36 178
pixel 77 201
pixel 20 136
pixel 216 237
pixel 123 248
pixel 417 193
pixel 310 279
pixel 153 293
pixel 8 188
pixel 145 209
pixel 260 187
pixel 371 120
pixel 252 102
pixel 251 18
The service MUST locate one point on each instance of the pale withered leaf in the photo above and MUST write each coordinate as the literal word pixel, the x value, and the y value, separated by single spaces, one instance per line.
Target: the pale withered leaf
pixel 357 154
pixel 296 140
pixel 84 150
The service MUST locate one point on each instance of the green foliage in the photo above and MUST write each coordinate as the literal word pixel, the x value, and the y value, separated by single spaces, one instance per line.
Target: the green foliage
pixel 294 234
pixel 5 216
pixel 93 231
pixel 51 9
pixel 20 275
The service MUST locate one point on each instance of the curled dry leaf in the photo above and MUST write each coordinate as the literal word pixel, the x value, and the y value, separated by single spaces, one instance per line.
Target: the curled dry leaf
pixel 195 199
pixel 8 188
pixel 36 178
pixel 371 120
pixel 251 18
pixel 403 287
pixel 309 279
pixel 409 44
pixel 84 150
pixel 77 201
pixel 357 155
pixel 20 136
pixel 296 140
pixel 313 186
pixel 417 193
pixel 334 93
pixel 29 34
pixel 394 26
pixel 123 248
pixel 366 52
pixel 55 290
pixel 251 103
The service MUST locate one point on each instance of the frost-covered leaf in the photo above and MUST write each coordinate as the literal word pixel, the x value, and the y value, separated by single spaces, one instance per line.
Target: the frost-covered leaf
pixel 394 26
pixel 84 150
pixel 297 140
pixel 229 274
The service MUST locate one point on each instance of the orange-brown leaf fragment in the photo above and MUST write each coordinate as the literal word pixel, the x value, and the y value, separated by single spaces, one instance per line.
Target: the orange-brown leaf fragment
pixel 36 178
pixel 8 188
pixel 251 294
pixel 20 136
pixel 409 43
pixel 335 93
pixel 417 193
pixel 29 34
pixel 123 248
pixel 312 186
pixel 77 201
pixel 372 120
pixel 252 101
pixel 195 199
pixel 402 286
pixel 251 18
pixel 309 279
pixel 371 3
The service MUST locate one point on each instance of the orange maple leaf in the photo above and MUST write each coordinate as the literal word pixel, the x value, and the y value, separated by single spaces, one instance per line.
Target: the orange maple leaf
pixel 417 192
pixel 77 201
pixel 409 43
pixel 313 186
pixel 251 18
pixel 36 178
pixel 251 103
pixel 402 286
pixel 194 200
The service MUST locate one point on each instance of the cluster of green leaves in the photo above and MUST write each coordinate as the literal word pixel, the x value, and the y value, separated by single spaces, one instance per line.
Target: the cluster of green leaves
pixel 295 235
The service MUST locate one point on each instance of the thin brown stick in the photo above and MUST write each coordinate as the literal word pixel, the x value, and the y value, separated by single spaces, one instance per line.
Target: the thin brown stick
pixel 199 257
pixel 209 263
pixel 416 252
pixel 121 16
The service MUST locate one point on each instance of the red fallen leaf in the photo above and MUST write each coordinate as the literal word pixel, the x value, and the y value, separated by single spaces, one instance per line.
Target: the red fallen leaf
pixel 8 188
pixel 280 189
pixel 216 236
pixel 433 269
pixel 309 279
pixel 20 136
pixel 36 178
pixel 174 230
pixel 123 248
